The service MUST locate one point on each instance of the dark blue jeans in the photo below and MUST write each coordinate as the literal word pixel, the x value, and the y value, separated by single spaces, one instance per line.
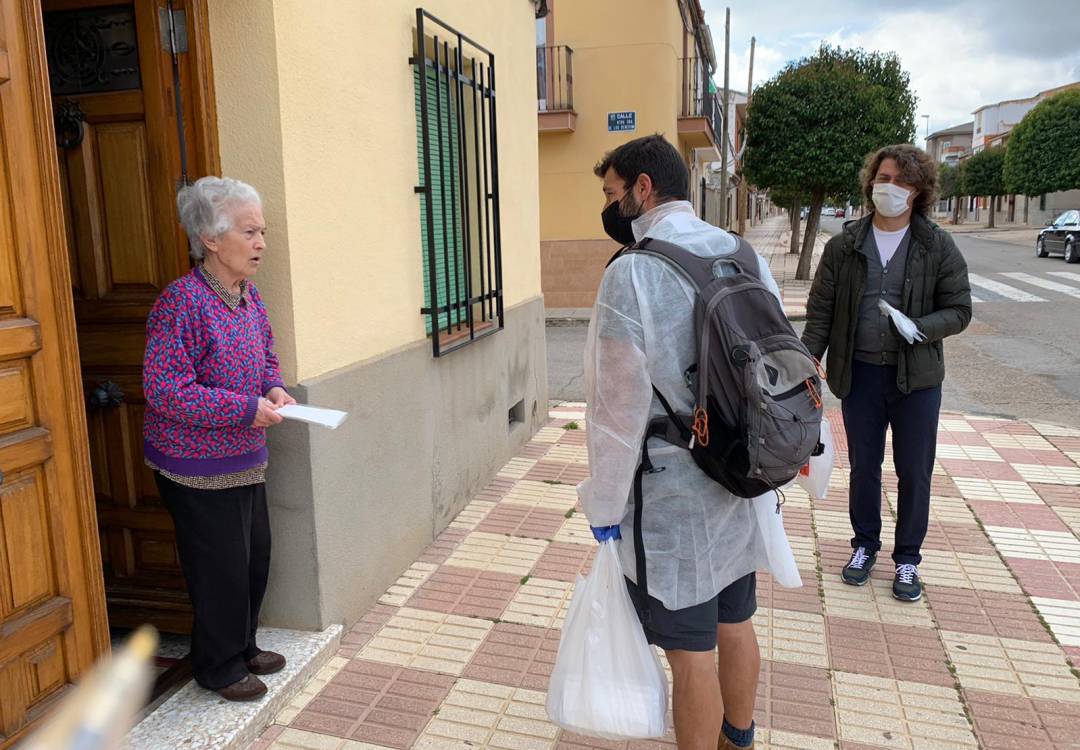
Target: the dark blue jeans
pixel 874 404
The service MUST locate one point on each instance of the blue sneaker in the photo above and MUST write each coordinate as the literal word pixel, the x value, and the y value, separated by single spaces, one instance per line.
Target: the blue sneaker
pixel 857 571
pixel 906 585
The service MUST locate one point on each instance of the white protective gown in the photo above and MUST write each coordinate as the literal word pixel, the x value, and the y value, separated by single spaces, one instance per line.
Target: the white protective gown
pixel 699 538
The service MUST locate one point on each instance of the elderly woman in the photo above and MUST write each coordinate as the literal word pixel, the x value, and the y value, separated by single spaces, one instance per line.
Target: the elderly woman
pixel 213 386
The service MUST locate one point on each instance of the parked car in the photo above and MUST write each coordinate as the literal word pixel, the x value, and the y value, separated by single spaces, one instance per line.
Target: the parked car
pixel 1062 235
pixel 830 211
pixel 839 213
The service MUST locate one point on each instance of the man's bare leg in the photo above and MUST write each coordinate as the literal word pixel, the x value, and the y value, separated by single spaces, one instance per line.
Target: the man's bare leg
pixel 696 703
pixel 739 667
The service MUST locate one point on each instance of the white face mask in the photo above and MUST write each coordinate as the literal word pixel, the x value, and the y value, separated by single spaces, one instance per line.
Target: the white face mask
pixel 890 200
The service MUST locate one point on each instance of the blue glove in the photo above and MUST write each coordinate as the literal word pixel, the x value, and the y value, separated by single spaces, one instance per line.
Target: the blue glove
pixel 603 533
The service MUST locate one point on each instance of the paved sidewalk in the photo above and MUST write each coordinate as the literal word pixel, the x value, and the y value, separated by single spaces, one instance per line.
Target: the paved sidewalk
pixel 771 238
pixel 457 653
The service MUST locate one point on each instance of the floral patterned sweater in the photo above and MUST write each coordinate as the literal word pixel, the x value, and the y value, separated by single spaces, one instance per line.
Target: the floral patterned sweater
pixel 206 365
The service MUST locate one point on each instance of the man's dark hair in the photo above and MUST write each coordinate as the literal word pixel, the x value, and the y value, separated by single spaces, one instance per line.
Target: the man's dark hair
pixel 654 156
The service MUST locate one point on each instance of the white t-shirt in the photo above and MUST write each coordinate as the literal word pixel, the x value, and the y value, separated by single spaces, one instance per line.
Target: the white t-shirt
pixel 887 242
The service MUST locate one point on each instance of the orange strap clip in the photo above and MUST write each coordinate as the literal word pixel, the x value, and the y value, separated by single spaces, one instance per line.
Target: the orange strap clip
pixel 815 394
pixel 701 426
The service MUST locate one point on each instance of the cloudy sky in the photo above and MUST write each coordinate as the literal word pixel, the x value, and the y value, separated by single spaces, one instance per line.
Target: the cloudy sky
pixel 961 54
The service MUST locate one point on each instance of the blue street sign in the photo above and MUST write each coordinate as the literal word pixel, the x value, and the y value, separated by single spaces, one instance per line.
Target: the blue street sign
pixel 617 121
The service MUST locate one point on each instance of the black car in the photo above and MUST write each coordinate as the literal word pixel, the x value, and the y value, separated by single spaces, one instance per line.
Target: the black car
pixel 1062 235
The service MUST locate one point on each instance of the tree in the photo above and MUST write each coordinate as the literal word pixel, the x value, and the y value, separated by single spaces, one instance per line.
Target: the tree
pixel 983 176
pixel 1043 154
pixel 793 200
pixel 949 187
pixel 810 127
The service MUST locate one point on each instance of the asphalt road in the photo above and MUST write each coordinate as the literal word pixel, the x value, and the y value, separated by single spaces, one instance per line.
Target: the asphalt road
pixel 1019 358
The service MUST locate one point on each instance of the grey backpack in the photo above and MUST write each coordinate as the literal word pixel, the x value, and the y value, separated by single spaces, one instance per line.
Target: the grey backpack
pixel 757 390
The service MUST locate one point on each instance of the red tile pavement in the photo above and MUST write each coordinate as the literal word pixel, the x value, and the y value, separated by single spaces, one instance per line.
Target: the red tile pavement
pixel 906 653
pixel 795 698
pixel 1073 652
pixel 495 490
pixel 1045 578
pixel 1071 444
pixel 1005 426
pixel 1058 495
pixel 1018 515
pixel 972 439
pixel 958 467
pixel 1007 722
pixel 986 613
pixel 364 629
pixel 467 592
pixel 534 450
pixel 573 437
pixel 805 599
pixel 1043 457
pixel 563 562
pixel 957 537
pixel 562 472
pixel 438 551
pixel 522 520
pixel 516 655
pixel 376 703
pixel 798 521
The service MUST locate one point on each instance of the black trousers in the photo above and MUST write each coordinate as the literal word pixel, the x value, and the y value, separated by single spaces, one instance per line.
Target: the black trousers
pixel 223 537
pixel 874 404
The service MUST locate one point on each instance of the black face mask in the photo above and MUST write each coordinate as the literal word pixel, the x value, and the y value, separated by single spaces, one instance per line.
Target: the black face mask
pixel 618 227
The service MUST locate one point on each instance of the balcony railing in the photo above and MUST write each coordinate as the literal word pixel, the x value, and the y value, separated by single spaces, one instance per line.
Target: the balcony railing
pixel 555 79
pixel 694 84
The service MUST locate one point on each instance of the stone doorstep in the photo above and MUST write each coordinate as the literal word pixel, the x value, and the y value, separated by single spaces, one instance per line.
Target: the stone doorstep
pixel 197 719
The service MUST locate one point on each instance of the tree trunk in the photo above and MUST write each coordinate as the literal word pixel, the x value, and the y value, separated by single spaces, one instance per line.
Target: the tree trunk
pixel 990 211
pixel 1027 199
pixel 810 238
pixel 956 209
pixel 796 210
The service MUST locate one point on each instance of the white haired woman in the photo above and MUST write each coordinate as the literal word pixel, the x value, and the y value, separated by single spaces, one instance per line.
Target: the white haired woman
pixel 213 386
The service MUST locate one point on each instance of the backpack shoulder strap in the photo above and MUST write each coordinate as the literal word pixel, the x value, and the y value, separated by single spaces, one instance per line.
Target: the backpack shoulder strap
pixel 746 257
pixel 697 269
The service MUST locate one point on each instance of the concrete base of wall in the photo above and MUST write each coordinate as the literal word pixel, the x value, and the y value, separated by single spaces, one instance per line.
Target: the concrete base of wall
pixel 570 270
pixel 352 508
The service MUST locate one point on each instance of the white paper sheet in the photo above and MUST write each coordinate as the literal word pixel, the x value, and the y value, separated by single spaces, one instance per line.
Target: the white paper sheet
pixel 331 418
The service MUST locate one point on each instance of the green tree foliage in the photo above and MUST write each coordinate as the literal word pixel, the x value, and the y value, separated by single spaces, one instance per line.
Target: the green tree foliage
pixel 949 187
pixel 948 181
pixel 811 126
pixel 982 176
pixel 1043 153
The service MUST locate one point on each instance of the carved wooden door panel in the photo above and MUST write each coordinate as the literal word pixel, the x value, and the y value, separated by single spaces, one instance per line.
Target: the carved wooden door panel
pixel 119 149
pixel 52 614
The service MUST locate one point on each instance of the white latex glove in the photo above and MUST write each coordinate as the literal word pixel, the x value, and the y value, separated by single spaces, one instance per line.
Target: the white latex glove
pixel 905 325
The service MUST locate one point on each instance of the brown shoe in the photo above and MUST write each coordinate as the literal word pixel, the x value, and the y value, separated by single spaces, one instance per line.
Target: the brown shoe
pixel 267 662
pixel 251 688
pixel 726 744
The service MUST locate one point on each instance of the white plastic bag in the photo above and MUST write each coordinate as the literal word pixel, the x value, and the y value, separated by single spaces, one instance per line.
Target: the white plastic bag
pixel 770 520
pixel 814 477
pixel 607 681
pixel 905 325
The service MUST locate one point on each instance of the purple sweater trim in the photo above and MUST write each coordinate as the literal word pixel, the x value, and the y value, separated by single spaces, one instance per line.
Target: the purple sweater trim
pixel 252 409
pixel 205 467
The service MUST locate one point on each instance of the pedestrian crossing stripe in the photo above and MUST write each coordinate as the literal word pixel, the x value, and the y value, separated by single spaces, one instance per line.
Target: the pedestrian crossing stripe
pixel 1070 275
pixel 1003 290
pixel 1053 286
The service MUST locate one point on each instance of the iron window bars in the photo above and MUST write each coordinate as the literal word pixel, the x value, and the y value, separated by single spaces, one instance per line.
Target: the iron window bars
pixel 459 172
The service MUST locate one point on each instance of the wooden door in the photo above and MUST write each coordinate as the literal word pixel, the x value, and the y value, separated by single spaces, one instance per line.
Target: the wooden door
pixel 52 614
pixel 119 152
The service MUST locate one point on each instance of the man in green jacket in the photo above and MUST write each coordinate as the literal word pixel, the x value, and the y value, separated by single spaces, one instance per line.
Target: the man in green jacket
pixel 898 256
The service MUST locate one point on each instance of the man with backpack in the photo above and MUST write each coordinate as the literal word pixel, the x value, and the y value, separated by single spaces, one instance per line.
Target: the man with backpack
pixel 691 572
pixel 893 255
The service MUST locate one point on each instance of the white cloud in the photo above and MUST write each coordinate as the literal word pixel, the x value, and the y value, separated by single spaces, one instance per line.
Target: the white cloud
pixel 961 54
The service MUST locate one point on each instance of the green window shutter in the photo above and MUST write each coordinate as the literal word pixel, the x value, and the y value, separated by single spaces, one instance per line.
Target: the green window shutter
pixel 450 282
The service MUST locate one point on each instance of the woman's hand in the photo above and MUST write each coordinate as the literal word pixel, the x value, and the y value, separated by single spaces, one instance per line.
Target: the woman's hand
pixel 279 397
pixel 266 414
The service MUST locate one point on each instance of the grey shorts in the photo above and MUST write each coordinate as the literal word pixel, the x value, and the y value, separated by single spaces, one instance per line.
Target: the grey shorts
pixel 694 628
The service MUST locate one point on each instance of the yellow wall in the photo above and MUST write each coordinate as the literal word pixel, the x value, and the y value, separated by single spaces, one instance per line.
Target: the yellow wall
pixel 626 57
pixel 340 152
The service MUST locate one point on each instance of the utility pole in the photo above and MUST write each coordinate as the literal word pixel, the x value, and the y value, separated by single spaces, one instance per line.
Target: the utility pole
pixel 725 126
pixel 744 189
